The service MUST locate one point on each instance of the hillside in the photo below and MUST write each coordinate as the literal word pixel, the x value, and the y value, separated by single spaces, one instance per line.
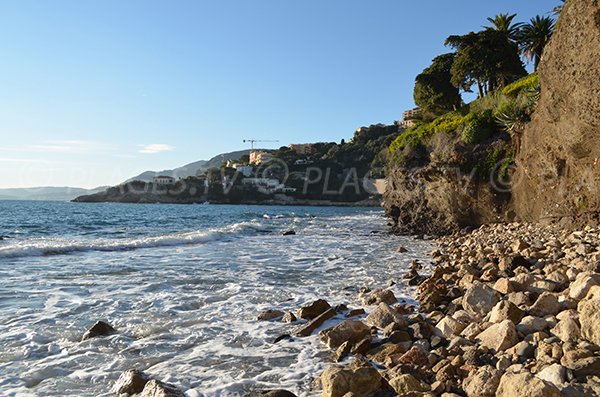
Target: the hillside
pixel 50 193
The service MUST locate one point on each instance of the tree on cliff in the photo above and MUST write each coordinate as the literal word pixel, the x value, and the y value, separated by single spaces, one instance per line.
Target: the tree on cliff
pixel 534 36
pixel 503 24
pixel 484 58
pixel 434 91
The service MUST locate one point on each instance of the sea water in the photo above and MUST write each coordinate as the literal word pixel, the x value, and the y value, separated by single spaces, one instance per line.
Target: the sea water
pixel 182 285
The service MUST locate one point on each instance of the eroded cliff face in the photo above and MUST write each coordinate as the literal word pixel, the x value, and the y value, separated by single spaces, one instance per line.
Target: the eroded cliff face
pixel 558 169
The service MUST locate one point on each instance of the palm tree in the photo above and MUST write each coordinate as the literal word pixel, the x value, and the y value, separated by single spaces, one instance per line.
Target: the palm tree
pixel 503 23
pixel 534 36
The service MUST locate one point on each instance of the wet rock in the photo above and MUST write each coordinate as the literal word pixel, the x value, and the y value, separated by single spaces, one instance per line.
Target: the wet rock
pixel 269 315
pixel 342 351
pixel 378 296
pixel 480 299
pixel 282 337
pixel 98 330
pixel 313 310
pixel 499 337
pixel 355 312
pixel 359 379
pixel 482 383
pixel 524 384
pixel 405 384
pixel 155 388
pixel 276 393
pixel 308 328
pixel 289 317
pixel 349 330
pixel 131 381
pixel 289 233
pixel 383 316
pixel 401 250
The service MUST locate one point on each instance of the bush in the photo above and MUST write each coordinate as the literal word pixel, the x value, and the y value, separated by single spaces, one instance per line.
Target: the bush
pixel 447 123
pixel 477 126
pixel 527 83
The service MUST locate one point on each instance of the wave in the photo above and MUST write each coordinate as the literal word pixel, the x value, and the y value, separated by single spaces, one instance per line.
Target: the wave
pixel 44 246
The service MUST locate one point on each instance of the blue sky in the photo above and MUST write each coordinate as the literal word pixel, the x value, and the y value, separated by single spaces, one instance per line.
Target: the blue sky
pixel 94 92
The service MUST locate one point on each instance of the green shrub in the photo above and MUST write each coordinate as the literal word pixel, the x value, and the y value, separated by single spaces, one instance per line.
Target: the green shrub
pixel 477 126
pixel 527 83
pixel 447 123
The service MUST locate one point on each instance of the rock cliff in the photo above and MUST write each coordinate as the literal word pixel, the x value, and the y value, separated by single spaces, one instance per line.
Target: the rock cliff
pixel 558 174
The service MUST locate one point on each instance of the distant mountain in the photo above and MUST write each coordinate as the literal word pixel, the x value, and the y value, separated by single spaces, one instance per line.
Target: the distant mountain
pixel 47 193
pixel 191 169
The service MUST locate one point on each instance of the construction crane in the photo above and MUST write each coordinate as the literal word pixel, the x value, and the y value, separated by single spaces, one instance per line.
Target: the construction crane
pixel 252 141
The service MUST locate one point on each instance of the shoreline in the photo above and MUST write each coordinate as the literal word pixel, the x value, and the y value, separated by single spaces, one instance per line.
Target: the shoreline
pixel 508 309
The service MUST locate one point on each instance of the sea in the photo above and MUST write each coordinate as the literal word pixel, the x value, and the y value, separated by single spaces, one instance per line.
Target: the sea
pixel 182 285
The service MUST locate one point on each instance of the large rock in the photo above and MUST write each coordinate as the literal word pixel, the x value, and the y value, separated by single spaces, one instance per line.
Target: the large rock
pixel 531 324
pixel 524 384
pixel 381 353
pixel 98 330
pixel 131 382
pixel 383 316
pixel 405 384
pixel 483 382
pixel 448 327
pixel 308 328
pixel 378 296
pixel 582 284
pixel 555 374
pixel 506 310
pixel 499 336
pixel 567 330
pixel 359 379
pixel 546 305
pixel 589 318
pixel 557 173
pixel 270 314
pixel 349 330
pixel 480 299
pixel 313 310
pixel 155 388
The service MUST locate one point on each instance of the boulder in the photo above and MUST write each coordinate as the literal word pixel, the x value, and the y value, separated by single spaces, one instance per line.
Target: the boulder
pixel 349 330
pixel 582 365
pixel 380 353
pixel 276 393
pixel 308 328
pixel 268 315
pixel 589 318
pixel 546 304
pixel 567 330
pixel 289 317
pixel 555 374
pixel 499 337
pixel 524 384
pixel 483 382
pixel 530 325
pixel 98 330
pixel 406 384
pixel 581 286
pixel 131 381
pixel 448 327
pixel 383 316
pixel 378 296
pixel 504 286
pixel 480 299
pixel 313 310
pixel 505 310
pixel 359 379
pixel 415 356
pixel 155 388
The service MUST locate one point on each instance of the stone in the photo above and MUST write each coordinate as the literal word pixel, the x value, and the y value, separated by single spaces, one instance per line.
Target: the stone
pixel 98 330
pixel 359 379
pixel 505 310
pixel 401 250
pixel 589 318
pixel 342 351
pixel 349 330
pixel 504 286
pixel 380 353
pixel 523 350
pixel 524 384
pixel 471 331
pixel 313 310
pixel 530 325
pixel 362 346
pixel 519 246
pixel 308 328
pixel 406 384
pixel 155 388
pixel 582 284
pixel 546 304
pixel 499 337
pixel 518 298
pixel 289 317
pixel 289 233
pixel 415 356
pixel 567 330
pixel 480 299
pixel 483 382
pixel 131 381
pixel 277 393
pixel 378 296
pixel 582 367
pixel 555 374
pixel 384 315
pixel 269 315
pixel 355 312
pixel 449 327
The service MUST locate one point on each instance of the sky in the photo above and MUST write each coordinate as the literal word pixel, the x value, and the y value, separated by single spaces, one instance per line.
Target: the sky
pixel 94 92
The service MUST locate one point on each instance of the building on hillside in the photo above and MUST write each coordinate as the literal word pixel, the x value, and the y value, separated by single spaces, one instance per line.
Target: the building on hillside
pixel 304 149
pixel 408 117
pixel 260 156
pixel 245 170
pixel 163 180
